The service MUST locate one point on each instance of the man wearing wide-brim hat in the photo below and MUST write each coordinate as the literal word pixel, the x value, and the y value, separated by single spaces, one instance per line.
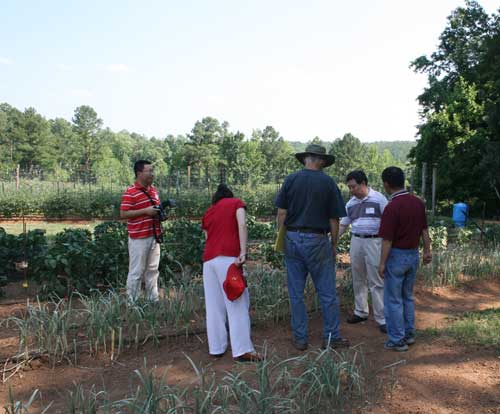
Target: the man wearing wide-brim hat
pixel 310 205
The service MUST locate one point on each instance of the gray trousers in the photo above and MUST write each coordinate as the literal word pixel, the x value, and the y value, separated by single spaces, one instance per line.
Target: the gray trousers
pixel 144 259
pixel 365 258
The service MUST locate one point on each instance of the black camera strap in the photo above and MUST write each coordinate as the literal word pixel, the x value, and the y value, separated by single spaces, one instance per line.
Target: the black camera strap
pixel 158 237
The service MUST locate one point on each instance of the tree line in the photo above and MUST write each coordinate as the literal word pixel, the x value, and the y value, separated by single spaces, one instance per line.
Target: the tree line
pixel 460 110
pixel 82 149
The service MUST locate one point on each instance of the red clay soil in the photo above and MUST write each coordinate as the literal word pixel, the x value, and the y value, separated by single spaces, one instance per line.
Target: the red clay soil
pixel 436 375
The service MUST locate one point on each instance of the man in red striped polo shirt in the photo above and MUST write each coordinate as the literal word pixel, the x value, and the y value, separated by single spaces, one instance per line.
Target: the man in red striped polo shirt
pixel 143 226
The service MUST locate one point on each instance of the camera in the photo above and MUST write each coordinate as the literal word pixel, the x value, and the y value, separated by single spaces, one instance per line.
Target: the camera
pixel 162 208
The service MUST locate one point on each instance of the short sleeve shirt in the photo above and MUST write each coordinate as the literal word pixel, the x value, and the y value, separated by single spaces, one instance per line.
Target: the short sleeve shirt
pixel 364 214
pixel 403 221
pixel 311 198
pixel 221 225
pixel 134 198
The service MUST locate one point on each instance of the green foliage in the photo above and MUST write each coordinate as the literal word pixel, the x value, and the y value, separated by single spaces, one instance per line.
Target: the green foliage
pixel 460 106
pixel 258 230
pixel 270 256
pixel 344 242
pixel 75 261
pixel 184 243
pixel 492 234
pixel 477 328
pixel 110 245
pixel 463 236
pixel 459 264
pixel 17 248
pixel 66 265
pixel 439 238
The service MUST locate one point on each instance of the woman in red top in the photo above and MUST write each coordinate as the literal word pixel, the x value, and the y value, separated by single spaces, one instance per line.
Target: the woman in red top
pixel 224 225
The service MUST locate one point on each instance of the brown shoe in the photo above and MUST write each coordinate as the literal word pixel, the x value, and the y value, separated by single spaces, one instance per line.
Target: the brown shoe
pixel 249 357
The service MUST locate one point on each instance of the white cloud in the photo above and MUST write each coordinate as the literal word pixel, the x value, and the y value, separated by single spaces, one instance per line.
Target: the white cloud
pixel 5 61
pixel 80 93
pixel 116 67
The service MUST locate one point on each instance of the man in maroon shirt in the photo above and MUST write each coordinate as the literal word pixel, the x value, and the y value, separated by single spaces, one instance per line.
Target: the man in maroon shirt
pixel 403 224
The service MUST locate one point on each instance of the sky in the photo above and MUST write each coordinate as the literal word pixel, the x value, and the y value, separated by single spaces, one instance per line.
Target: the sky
pixel 307 68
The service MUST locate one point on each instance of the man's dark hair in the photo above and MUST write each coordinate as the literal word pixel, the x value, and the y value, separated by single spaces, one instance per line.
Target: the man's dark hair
pixel 394 176
pixel 139 166
pixel 358 175
pixel 223 191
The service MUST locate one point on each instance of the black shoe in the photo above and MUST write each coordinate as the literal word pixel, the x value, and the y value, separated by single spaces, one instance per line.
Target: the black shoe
pixel 400 347
pixel 383 328
pixel 410 339
pixel 300 346
pixel 355 319
pixel 335 343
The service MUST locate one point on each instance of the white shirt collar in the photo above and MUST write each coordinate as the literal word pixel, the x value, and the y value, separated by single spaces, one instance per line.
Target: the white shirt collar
pixel 398 193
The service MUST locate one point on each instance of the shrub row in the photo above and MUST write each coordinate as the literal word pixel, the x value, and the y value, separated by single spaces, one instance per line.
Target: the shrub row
pixel 105 204
pixel 77 260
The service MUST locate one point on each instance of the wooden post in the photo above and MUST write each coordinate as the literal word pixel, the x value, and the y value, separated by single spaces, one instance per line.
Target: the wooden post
pixel 18 182
pixel 424 179
pixel 177 183
pixel 434 179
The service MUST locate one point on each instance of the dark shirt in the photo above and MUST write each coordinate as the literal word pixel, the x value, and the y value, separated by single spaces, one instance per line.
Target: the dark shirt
pixel 311 198
pixel 403 221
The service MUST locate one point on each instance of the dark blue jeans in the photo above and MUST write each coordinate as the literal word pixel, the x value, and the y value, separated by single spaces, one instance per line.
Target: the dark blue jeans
pixel 311 253
pixel 399 279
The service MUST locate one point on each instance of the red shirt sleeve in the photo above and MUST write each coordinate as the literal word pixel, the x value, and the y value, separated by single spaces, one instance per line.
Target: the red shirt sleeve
pixel 239 204
pixel 388 224
pixel 127 202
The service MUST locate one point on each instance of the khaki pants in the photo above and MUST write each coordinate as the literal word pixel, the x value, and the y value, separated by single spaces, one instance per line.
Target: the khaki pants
pixel 365 258
pixel 144 259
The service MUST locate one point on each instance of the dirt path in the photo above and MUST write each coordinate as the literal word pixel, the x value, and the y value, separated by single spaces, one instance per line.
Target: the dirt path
pixel 435 376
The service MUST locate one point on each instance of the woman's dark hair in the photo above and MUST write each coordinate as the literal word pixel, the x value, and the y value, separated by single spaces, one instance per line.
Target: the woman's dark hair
pixel 223 191
pixel 394 176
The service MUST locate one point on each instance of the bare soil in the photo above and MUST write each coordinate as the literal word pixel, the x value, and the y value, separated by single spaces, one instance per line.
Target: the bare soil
pixel 437 375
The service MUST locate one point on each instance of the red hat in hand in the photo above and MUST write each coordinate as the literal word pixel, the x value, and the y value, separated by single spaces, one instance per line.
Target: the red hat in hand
pixel 235 283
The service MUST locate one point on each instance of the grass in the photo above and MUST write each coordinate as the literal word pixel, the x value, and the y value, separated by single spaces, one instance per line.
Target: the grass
pixel 477 328
pixel 317 381
pixel 480 328
pixel 51 228
pixel 453 266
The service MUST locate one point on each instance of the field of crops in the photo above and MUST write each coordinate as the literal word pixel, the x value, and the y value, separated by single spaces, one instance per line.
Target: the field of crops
pixel 77 311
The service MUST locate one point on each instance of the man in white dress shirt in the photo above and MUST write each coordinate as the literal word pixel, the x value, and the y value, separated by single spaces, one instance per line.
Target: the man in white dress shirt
pixel 364 211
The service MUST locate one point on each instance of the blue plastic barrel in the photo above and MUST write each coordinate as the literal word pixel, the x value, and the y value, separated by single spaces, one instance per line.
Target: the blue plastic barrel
pixel 460 213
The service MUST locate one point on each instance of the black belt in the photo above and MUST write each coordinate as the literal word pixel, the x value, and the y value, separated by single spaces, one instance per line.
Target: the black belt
pixel 366 236
pixel 307 230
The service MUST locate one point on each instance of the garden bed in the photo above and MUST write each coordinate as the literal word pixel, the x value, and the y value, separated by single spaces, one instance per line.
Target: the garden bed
pixel 436 375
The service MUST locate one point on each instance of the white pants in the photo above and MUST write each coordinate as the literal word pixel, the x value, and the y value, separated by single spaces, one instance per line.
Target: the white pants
pixel 365 258
pixel 144 258
pixel 219 308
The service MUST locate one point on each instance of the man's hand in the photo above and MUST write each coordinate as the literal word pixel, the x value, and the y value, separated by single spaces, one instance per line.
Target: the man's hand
pixel 381 270
pixel 150 211
pixel 427 257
